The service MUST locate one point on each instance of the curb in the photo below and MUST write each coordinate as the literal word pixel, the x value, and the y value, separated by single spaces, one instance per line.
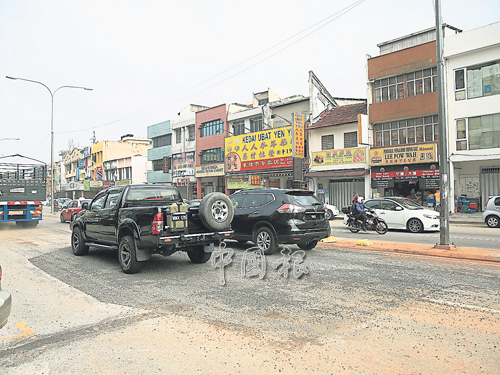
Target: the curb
pixel 466 253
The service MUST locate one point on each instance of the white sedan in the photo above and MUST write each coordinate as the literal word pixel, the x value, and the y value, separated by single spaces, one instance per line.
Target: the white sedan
pixel 331 211
pixel 403 213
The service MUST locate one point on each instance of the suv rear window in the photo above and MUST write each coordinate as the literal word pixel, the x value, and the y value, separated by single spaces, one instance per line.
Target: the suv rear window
pixel 152 194
pixel 305 199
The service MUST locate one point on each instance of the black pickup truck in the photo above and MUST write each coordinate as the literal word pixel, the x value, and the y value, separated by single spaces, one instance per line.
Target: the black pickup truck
pixel 141 220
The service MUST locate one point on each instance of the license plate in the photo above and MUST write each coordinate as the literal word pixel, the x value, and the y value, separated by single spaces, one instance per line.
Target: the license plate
pixel 179 217
pixel 16 212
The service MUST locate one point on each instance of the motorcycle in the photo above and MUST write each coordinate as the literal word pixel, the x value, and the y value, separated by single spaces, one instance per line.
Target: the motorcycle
pixel 373 222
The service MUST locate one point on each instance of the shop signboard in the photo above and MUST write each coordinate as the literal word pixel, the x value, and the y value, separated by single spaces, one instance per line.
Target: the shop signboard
pixel 243 183
pixel 86 185
pixel 261 150
pixel 209 170
pixel 98 171
pixel 399 155
pixel 342 156
pixel 108 184
pixel 183 164
pixel 95 184
pixel 298 135
pixel 406 174
pixel 123 182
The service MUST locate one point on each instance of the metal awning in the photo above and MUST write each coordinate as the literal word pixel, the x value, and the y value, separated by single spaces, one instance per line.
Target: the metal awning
pixel 343 173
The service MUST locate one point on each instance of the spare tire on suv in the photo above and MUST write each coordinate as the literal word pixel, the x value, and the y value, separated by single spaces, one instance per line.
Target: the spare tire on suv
pixel 216 211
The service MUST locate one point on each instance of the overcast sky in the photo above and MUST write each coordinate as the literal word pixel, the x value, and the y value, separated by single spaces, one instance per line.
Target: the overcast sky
pixel 146 60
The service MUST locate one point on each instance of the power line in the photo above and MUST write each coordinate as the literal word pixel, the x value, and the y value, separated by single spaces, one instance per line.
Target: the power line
pixel 331 18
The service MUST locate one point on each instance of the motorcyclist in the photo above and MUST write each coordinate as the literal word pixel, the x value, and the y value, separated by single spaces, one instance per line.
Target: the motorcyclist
pixel 361 211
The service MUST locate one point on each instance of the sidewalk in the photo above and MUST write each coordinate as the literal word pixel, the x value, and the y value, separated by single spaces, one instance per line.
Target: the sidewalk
pixel 469 253
pixel 461 218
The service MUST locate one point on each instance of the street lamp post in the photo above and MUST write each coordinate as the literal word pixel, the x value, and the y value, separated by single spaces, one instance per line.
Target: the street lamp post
pixel 51 131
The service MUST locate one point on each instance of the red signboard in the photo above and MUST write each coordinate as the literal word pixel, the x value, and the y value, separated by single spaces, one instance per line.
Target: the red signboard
pixel 286 161
pixel 421 173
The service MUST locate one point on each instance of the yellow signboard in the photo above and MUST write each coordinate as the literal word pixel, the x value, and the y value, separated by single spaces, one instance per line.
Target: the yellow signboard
pixel 342 156
pixel 298 135
pixel 397 155
pixel 261 150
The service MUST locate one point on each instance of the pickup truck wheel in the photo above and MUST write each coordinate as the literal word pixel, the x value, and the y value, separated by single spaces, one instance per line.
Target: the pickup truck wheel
pixel 216 211
pixel 265 240
pixel 78 243
pixel 197 255
pixel 127 255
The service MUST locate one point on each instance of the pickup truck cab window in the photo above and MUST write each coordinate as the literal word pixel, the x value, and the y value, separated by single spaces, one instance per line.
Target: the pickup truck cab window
pixel 98 203
pixel 113 197
pixel 159 193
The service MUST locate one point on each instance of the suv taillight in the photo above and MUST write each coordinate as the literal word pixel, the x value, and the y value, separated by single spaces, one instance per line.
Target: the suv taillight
pixel 157 223
pixel 290 208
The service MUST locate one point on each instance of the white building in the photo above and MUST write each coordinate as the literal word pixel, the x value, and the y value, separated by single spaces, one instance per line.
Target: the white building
pixel 472 61
pixel 339 166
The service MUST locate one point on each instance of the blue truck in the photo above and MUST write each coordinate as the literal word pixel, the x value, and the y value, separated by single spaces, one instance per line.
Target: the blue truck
pixel 23 183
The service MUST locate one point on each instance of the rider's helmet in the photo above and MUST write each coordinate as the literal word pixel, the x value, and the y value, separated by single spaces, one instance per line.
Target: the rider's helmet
pixel 361 199
pixel 355 199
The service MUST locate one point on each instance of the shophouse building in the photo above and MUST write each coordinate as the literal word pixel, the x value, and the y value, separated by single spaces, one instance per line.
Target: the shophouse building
pixel 338 142
pixel 211 129
pixel 105 151
pixel 473 97
pixel 184 150
pixel 73 170
pixel 160 155
pixel 402 109
pixel 259 149
pixel 125 171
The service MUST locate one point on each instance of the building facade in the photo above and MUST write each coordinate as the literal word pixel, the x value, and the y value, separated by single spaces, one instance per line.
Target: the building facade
pixel 473 99
pixel 160 155
pixel 403 108
pixel 339 154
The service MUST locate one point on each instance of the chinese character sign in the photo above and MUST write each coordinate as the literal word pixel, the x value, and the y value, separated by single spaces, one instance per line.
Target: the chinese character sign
pixel 298 135
pixel 341 156
pixel 261 150
pixel 183 164
pixel 424 153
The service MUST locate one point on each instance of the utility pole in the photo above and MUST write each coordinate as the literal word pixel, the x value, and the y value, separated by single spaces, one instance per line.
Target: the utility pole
pixel 444 166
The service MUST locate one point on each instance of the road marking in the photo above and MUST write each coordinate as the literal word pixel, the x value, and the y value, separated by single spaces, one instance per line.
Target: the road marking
pixel 25 332
pixel 456 304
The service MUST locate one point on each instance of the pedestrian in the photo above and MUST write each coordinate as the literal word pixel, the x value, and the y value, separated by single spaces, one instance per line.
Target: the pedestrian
pixel 431 199
pixel 413 195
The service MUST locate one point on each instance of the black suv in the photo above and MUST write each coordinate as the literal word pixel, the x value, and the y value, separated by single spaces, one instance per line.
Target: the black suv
pixel 269 217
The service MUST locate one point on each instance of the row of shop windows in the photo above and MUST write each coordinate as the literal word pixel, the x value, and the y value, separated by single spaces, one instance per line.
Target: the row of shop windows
pixel 415 130
pixel 419 82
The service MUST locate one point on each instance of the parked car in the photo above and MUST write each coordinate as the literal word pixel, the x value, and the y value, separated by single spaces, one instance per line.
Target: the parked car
pixel 5 303
pixel 269 217
pixel 70 210
pixel 491 214
pixel 331 211
pixel 404 213
pixel 60 202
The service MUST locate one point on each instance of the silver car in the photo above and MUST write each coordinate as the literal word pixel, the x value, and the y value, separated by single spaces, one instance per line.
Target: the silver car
pixel 491 214
pixel 5 303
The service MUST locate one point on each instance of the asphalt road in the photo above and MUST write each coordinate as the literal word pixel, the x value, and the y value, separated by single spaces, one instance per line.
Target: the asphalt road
pixel 353 312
